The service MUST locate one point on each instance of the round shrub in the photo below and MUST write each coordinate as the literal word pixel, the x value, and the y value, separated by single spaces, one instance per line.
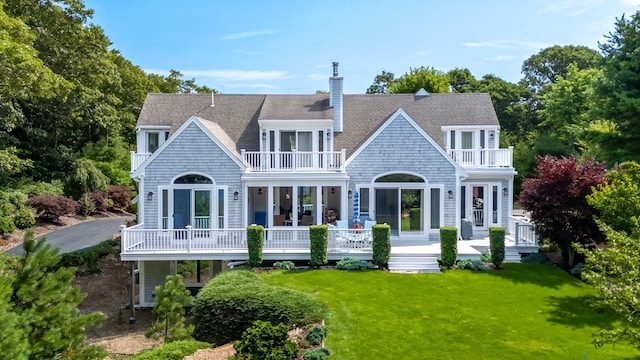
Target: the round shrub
pixel 265 341
pixel 353 264
pixel 317 354
pixel 234 300
pixel 24 218
pixel 176 350
pixel 6 225
pixel 316 335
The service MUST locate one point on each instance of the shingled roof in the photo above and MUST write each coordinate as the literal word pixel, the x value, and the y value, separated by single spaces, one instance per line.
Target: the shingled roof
pixel 237 115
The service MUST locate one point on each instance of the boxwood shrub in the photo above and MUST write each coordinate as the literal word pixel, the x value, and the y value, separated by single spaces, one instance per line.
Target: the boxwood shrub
pixel 448 245
pixel 176 350
pixel 231 302
pixel 353 264
pixel 317 354
pixel 255 242
pixel 496 244
pixel 381 244
pixel 318 252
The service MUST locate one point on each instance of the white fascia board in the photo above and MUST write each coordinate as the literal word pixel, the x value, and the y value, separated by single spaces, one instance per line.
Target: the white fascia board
pixel 154 127
pixel 256 178
pixel 459 170
pixel 295 124
pixel 470 127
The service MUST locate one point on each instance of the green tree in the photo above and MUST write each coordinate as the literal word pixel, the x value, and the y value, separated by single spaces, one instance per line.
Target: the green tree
pixel 85 177
pixel 618 199
pixel 566 111
pixel 174 83
pixel 46 302
pixel 613 272
pixel 428 78
pixel 619 89
pixel 13 342
pixel 169 310
pixel 381 83
pixel 462 81
pixel 545 67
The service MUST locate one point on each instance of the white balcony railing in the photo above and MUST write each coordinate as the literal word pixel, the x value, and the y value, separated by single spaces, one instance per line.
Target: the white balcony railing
pixel 292 161
pixel 483 158
pixel 137 159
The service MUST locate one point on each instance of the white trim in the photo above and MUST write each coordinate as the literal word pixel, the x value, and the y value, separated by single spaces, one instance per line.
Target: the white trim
pixel 460 171
pixel 154 127
pixel 213 182
pixel 141 293
pixel 412 173
pixel 297 124
pixel 191 120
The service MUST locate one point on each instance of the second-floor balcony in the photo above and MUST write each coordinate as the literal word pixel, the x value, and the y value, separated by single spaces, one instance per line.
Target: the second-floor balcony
pixel 137 159
pixel 483 158
pixel 294 161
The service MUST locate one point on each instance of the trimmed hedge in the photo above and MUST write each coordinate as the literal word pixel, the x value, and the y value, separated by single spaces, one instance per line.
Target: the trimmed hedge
pixel 381 244
pixel 496 244
pixel 318 252
pixel 232 301
pixel 448 245
pixel 255 242
pixel 176 350
pixel 263 340
pixel 415 218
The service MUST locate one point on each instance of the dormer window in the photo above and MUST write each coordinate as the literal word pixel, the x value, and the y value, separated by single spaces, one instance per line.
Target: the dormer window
pixel 149 139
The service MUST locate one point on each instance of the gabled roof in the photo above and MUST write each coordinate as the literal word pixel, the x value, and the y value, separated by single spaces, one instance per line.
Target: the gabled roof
pixel 237 115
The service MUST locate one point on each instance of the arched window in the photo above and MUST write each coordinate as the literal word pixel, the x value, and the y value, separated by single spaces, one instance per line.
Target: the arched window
pixel 399 178
pixel 193 179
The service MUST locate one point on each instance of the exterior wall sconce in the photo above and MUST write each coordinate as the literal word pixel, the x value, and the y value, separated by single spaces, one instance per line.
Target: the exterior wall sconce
pixel 150 195
pixel 264 135
pixel 505 191
pixel 350 194
pixel 450 192
pixel 492 136
pixel 328 134
pixel 333 190
pixel 259 191
pixel 235 195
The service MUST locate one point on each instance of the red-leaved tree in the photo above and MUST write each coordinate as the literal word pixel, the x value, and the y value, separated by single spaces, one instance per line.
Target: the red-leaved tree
pixel 556 199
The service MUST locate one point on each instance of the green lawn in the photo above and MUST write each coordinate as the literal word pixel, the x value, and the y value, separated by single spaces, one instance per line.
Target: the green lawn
pixel 525 311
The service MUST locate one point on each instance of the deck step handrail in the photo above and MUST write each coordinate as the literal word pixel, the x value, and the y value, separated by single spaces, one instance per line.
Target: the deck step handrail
pixel 523 231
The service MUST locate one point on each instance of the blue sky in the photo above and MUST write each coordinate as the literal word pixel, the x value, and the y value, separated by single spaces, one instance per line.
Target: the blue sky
pixel 287 46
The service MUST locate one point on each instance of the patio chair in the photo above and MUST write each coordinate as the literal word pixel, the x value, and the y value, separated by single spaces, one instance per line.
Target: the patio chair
pixel 368 224
pixel 306 220
pixel 278 220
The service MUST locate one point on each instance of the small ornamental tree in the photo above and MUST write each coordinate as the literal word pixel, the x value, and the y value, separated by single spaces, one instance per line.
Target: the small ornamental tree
pixel 448 245
pixel 255 242
pixel 47 302
pixel 381 244
pixel 318 238
pixel 169 310
pixel 496 243
pixel 557 201
pixel 52 207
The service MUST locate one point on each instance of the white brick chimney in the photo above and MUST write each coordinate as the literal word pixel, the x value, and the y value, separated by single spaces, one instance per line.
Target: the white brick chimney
pixel 335 98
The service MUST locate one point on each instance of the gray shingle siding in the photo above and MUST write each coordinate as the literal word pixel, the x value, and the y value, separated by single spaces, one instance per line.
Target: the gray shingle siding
pixel 155 273
pixel 192 152
pixel 400 148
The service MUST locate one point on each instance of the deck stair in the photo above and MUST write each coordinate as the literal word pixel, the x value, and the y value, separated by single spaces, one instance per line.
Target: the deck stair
pixel 511 255
pixel 413 263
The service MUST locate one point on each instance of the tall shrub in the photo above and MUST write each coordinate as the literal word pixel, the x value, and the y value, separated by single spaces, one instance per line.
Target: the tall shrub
pixel 381 244
pixel 448 245
pixel 318 237
pixel 496 244
pixel 255 242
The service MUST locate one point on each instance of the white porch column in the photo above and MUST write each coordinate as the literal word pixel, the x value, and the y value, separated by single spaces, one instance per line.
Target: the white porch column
pixel 319 208
pixel 344 202
pixel 270 206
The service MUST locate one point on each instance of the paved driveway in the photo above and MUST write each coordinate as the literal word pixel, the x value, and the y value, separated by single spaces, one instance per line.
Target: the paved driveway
pixel 80 236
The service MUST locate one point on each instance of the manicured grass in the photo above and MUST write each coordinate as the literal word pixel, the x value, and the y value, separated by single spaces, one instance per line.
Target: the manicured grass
pixel 525 311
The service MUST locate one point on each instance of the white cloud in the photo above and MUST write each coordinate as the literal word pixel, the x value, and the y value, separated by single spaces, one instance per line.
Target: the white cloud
pixel 507 44
pixel 421 53
pixel 500 58
pixel 242 35
pixel 630 2
pixel 237 75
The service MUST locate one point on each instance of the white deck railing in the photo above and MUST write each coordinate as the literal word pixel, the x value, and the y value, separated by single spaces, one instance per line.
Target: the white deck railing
pixel 483 157
pixel 523 231
pixel 137 159
pixel 137 240
pixel 288 161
